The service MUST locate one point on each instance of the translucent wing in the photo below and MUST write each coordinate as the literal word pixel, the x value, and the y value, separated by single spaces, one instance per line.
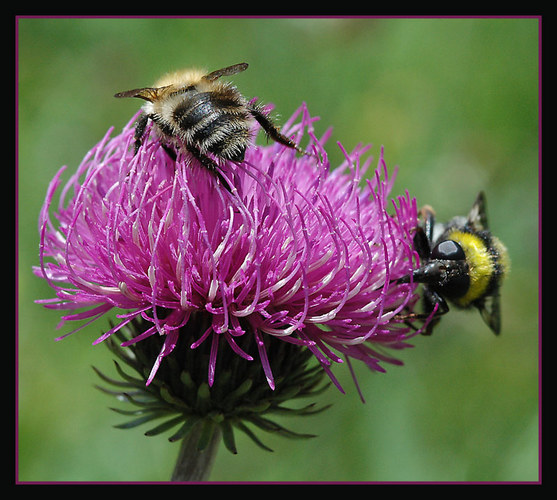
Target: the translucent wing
pixel 477 218
pixel 490 310
pixel 147 93
pixel 229 70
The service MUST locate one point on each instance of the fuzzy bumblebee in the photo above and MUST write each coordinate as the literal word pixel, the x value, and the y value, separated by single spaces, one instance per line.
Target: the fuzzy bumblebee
pixel 194 111
pixel 462 262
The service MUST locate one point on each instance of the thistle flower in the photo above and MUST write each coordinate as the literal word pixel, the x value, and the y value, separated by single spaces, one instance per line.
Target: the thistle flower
pixel 294 258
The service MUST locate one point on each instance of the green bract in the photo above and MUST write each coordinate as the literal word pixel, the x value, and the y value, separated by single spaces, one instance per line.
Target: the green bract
pixel 179 399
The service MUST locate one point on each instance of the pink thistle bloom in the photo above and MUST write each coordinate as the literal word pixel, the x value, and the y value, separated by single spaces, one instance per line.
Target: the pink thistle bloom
pixel 294 250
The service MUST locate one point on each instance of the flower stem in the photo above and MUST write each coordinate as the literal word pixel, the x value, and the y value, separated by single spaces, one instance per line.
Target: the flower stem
pixel 194 464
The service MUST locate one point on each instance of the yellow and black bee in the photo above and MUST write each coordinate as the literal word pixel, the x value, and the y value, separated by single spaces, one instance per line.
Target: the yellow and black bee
pixel 462 262
pixel 195 111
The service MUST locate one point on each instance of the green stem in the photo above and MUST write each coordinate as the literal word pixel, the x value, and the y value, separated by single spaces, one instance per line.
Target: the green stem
pixel 194 464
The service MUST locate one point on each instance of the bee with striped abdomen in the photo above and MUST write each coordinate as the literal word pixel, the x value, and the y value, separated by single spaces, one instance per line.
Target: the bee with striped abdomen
pixel 196 111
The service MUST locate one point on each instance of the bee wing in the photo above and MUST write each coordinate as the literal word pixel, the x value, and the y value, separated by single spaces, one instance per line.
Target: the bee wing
pixel 229 70
pixel 490 310
pixel 147 93
pixel 477 218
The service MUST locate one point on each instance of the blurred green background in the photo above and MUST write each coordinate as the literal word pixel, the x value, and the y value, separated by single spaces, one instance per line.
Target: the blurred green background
pixel 455 104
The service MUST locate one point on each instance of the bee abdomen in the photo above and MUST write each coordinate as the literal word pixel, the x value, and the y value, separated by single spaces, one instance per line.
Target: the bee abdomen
pixel 229 141
pixel 190 112
pixel 215 123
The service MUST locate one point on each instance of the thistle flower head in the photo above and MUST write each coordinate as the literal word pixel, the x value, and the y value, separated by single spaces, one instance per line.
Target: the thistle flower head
pixel 294 251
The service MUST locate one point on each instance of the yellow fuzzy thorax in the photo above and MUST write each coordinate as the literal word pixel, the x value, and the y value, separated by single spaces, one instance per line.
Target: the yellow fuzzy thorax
pixel 482 263
pixel 173 81
pixel 181 77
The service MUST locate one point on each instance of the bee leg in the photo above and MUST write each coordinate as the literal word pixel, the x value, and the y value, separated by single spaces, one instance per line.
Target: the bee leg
pixel 208 164
pixel 170 152
pixel 421 243
pixel 139 131
pixel 430 300
pixel 427 215
pixel 272 131
pixel 201 158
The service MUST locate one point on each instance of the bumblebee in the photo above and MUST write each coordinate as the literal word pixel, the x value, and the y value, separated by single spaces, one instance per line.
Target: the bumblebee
pixel 193 110
pixel 461 262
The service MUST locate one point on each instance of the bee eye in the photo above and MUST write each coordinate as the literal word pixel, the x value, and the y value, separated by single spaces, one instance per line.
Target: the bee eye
pixel 448 250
